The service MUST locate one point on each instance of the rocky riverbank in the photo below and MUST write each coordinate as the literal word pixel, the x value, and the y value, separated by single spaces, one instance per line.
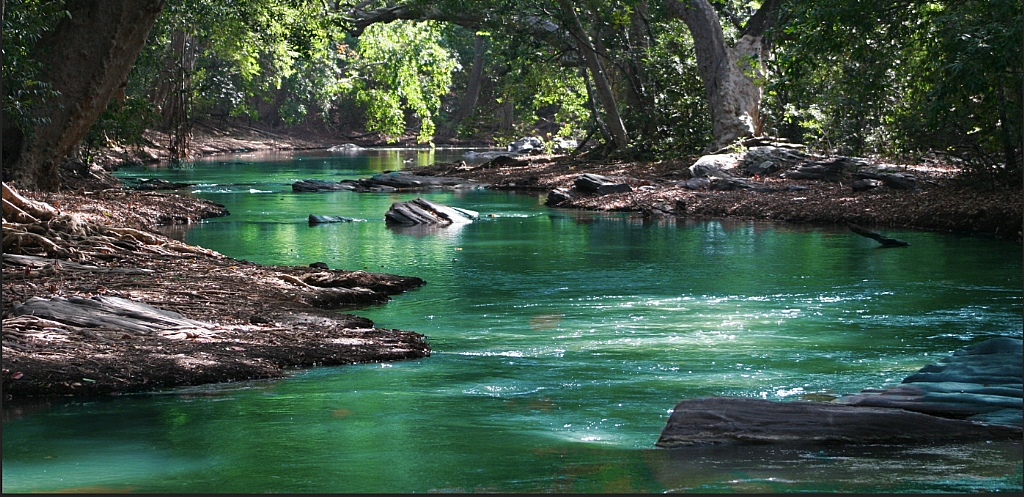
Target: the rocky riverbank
pixel 938 200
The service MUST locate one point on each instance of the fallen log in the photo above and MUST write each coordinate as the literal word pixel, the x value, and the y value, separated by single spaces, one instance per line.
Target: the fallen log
pixel 884 240
pixel 107 312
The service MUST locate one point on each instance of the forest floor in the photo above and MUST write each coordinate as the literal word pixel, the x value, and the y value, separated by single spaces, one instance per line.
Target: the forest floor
pixel 258 321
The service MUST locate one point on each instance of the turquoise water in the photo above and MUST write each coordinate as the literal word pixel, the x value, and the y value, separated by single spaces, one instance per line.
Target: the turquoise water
pixel 561 341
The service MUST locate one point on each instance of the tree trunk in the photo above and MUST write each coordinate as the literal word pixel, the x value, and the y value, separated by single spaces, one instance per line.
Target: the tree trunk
pixel 472 89
pixel 733 97
pixel 87 57
pixel 176 106
pixel 601 84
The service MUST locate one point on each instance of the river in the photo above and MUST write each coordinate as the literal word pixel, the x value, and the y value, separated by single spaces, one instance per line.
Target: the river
pixel 561 341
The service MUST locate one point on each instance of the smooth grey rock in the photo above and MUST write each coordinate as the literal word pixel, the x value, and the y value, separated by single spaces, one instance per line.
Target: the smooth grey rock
pixel 714 165
pixel 696 183
pixel 526 144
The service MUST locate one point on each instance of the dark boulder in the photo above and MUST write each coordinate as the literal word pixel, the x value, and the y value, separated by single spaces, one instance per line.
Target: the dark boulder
pixel 861 185
pixel 557 197
pixel 746 420
pixel 407 182
pixel 422 211
pixel 601 185
pixel 315 219
pixel 974 394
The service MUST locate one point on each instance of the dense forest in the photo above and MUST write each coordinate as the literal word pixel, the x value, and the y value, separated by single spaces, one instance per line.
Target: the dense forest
pixel 643 80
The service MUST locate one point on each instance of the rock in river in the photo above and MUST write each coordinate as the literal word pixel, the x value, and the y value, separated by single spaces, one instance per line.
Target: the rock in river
pixel 422 211
pixel 974 394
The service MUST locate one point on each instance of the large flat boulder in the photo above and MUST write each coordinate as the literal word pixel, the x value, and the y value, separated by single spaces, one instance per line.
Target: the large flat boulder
pixel 974 394
pixel 981 382
pixel 747 420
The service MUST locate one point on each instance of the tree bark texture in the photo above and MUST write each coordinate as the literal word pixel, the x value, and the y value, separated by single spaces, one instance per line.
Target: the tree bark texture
pixel 733 97
pixel 601 84
pixel 86 58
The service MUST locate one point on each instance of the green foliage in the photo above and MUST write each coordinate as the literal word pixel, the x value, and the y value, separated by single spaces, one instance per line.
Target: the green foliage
pixel 24 23
pixel 402 67
pixel 902 78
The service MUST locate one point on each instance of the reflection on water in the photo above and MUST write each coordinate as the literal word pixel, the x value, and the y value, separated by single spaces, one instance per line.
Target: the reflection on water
pixel 560 340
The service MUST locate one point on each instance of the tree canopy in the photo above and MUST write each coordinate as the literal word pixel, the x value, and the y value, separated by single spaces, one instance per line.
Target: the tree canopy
pixel 893 77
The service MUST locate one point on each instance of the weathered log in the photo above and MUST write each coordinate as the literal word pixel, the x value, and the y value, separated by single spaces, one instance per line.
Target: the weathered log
pixel 884 240
pixel 422 211
pixel 746 420
pixel 107 312
pixel 43 263
pixel 601 185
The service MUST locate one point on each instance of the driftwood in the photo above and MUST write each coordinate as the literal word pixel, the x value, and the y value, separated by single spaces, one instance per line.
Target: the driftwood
pixel 884 240
pixel 44 265
pixel 422 211
pixel 107 312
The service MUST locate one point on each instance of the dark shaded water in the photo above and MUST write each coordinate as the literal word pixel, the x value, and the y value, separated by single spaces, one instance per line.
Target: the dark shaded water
pixel 561 340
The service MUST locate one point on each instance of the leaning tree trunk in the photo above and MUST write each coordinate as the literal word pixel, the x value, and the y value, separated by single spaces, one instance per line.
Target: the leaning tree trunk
pixel 733 97
pixel 476 76
pixel 601 84
pixel 86 57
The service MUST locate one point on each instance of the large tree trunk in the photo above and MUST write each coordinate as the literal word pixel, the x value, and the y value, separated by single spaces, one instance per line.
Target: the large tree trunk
pixel 733 97
pixel 472 89
pixel 601 84
pixel 86 57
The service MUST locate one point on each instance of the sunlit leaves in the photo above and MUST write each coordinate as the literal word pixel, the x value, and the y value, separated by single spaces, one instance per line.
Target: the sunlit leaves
pixel 402 68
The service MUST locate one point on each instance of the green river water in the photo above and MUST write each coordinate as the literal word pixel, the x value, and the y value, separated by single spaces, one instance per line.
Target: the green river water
pixel 561 341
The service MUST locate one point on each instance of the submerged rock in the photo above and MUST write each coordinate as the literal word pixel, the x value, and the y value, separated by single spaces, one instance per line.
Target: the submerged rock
pixel 422 211
pixel 315 219
pixel 974 394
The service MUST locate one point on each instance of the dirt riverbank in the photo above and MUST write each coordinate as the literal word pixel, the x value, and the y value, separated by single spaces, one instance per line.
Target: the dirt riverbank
pixel 214 318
